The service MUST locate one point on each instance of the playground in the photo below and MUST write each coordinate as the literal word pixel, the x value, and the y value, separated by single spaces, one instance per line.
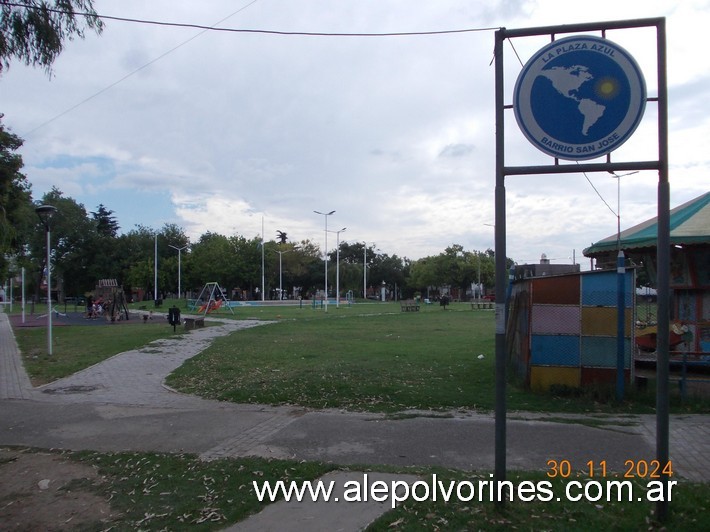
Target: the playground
pixel 106 304
pixel 76 318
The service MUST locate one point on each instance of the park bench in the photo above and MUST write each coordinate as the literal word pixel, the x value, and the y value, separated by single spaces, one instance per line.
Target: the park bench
pixel 194 323
pixel 409 306
pixel 481 304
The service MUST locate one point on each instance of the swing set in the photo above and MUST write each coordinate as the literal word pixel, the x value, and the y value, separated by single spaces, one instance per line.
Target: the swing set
pixel 210 299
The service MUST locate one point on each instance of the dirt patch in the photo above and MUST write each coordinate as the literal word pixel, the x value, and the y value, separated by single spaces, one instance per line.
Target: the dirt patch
pixel 42 491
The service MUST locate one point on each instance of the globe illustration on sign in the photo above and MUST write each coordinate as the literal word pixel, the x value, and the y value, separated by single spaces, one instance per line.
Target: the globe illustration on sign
pixel 579 98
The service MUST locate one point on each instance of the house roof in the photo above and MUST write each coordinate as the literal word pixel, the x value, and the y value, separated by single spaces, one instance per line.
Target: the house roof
pixel 689 224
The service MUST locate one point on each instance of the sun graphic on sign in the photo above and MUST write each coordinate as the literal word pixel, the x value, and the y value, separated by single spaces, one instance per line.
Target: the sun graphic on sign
pixel 607 88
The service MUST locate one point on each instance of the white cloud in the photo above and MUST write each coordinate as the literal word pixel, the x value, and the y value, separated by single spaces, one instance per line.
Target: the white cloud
pixel 396 134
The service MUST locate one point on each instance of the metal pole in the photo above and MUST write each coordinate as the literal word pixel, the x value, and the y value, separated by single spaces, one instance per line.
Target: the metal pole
pixel 325 258
pixel 179 250
pixel 337 266
pixel 620 321
pixel 49 295
pixel 500 267
pixel 620 275
pixel 263 283
pixel 325 255
pixel 663 273
pixel 364 272
pixel 23 294
pixel 155 270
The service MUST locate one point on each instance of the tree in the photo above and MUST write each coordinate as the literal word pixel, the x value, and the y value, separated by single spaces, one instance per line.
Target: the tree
pixel 174 258
pixel 246 262
pixel 423 274
pixel 134 253
pixel 212 260
pixel 454 268
pixel 390 269
pixel 73 234
pixel 34 31
pixel 106 224
pixel 17 218
pixel 306 267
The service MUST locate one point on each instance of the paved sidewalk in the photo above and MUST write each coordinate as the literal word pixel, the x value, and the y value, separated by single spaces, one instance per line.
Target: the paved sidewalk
pixel 14 382
pixel 137 377
pixel 122 404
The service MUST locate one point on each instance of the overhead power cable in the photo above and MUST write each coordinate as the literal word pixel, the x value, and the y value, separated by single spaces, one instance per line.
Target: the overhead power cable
pixel 135 71
pixel 214 27
pixel 268 32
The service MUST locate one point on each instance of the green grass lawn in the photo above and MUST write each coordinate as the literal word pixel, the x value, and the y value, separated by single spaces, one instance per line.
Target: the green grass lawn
pixel 361 357
pixel 374 357
pixel 383 361
pixel 79 346
pixel 688 509
pixel 365 357
pixel 158 491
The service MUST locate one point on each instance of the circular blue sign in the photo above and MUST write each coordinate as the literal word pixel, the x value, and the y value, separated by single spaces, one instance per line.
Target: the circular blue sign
pixel 579 97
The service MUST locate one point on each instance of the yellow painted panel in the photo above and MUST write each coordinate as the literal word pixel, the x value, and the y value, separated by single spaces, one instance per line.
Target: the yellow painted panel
pixel 542 377
pixel 601 321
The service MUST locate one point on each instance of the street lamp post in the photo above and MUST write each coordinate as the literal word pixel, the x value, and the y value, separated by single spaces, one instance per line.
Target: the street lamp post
pixel 179 250
pixel 364 272
pixel 155 271
pixel 280 269
pixel 45 213
pixel 620 295
pixel 337 267
pixel 325 256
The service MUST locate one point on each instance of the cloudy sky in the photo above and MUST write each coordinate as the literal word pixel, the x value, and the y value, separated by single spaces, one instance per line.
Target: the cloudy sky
pixel 217 131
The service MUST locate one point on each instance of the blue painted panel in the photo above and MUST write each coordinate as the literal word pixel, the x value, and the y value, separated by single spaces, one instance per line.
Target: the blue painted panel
pixel 557 350
pixel 600 352
pixel 599 289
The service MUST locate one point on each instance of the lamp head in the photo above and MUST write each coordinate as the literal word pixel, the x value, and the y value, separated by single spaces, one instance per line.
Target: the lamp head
pixel 45 213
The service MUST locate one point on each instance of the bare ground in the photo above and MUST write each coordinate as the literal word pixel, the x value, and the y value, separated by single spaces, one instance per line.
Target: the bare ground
pixel 42 491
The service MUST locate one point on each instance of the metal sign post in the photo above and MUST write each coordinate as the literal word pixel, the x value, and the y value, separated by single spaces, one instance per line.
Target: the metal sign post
pixel 601 82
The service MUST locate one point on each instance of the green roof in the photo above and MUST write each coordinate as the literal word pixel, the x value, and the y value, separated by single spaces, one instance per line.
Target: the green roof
pixel 689 224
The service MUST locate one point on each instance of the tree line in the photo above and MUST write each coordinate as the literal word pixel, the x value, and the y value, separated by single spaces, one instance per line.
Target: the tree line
pixel 87 246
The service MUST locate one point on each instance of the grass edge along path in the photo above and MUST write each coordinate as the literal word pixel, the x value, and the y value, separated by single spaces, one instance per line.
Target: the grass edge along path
pixel 365 357
pixel 379 361
pixel 162 491
pixel 77 347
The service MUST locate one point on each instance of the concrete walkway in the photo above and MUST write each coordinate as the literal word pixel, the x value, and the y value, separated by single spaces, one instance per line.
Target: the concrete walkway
pixel 122 404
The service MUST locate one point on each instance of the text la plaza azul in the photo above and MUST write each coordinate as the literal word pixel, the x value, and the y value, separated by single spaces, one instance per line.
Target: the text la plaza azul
pixel 572 47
